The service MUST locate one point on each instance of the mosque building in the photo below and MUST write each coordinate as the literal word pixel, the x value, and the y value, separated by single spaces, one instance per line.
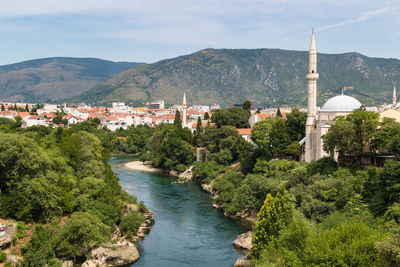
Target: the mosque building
pixel 318 122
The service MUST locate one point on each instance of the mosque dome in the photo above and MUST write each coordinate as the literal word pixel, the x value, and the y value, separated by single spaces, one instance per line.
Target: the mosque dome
pixel 341 103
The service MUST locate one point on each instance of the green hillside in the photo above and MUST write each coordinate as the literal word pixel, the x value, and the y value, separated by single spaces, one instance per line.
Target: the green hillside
pixel 52 79
pixel 270 76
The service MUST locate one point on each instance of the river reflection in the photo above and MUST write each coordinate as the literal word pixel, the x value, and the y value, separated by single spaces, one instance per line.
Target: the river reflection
pixel 187 230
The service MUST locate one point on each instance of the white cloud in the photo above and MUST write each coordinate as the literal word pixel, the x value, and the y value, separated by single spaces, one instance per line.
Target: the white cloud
pixel 363 17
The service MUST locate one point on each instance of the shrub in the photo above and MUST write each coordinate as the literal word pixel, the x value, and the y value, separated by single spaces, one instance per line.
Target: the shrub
pixel 82 232
pixel 39 249
pixel 348 244
pixel 130 223
pixel 325 165
pixel 54 263
pixel 3 256
pixel 21 230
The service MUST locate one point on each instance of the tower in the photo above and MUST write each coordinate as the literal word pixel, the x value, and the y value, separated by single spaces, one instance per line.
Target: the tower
pixel 394 99
pixel 184 110
pixel 312 77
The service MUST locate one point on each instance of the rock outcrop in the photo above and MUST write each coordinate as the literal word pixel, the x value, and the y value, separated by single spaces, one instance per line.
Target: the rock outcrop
pixel 7 236
pixel 185 176
pixel 116 255
pixel 121 251
pixel 243 261
pixel 243 241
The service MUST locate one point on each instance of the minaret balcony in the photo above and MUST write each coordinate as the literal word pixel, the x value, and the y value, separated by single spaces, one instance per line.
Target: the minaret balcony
pixel 312 76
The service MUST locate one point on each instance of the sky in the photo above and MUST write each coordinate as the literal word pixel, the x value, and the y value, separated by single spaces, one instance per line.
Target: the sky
pixel 152 30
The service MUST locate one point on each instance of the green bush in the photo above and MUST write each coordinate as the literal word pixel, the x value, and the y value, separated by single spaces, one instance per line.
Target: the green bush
pixel 54 263
pixel 348 244
pixel 21 230
pixel 206 171
pixel 130 223
pixel 3 256
pixel 81 233
pixel 106 212
pixel 39 249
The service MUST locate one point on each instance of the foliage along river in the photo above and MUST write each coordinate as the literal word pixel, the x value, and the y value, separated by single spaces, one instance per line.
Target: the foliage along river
pixel 187 230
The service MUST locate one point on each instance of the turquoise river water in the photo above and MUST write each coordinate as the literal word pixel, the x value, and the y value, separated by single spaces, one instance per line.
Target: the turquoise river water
pixel 187 230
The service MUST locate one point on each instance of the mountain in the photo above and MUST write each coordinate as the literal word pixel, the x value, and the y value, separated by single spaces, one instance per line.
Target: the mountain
pixel 270 76
pixel 52 79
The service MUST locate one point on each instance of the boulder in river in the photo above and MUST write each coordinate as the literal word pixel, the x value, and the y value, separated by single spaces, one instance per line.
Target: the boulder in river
pixel 117 255
pixel 243 241
pixel 243 261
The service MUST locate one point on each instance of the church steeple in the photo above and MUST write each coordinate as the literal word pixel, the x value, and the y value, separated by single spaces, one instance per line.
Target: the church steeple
pixel 394 99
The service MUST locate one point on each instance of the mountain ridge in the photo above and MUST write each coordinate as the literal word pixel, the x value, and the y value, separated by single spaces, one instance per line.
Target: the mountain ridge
pixel 55 78
pixel 270 76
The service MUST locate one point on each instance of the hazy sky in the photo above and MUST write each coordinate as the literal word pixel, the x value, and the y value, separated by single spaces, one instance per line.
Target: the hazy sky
pixel 151 30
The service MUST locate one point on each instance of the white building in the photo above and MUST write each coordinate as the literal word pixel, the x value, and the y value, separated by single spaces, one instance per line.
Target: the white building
pixel 120 107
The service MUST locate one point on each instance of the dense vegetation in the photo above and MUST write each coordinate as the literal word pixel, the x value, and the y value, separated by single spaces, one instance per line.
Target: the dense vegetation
pixel 320 213
pixel 60 180
pixel 326 213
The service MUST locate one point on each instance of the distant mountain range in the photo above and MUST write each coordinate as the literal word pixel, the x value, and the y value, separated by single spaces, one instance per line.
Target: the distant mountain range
pixel 272 77
pixel 53 79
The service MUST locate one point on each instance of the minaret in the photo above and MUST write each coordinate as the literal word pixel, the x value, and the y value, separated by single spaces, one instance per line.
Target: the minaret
pixel 184 110
pixel 312 77
pixel 394 99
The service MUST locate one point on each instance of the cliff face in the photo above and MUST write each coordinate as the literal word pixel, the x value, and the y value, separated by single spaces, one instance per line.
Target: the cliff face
pixel 269 76
pixel 52 79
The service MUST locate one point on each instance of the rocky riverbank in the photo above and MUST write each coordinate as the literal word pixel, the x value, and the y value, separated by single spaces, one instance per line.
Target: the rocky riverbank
pixel 243 243
pixel 121 250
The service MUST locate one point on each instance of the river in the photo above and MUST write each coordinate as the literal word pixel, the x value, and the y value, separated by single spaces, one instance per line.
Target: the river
pixel 187 230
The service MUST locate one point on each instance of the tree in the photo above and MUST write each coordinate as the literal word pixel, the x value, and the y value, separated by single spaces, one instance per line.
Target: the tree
pixel 271 136
pixel 178 120
pixel 278 113
pixel 2 107
pixel 206 116
pixel 246 105
pixel 275 215
pixel 81 233
pixel 198 132
pixel 235 116
pixel 352 135
pixel 26 108
pixel 296 124
pixel 130 223
pixel 387 137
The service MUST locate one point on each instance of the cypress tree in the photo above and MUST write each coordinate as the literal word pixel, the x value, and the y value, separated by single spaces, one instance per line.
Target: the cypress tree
pixel 178 120
pixel 274 215
pixel 199 127
pixel 278 113
pixel 206 116
pixel 2 107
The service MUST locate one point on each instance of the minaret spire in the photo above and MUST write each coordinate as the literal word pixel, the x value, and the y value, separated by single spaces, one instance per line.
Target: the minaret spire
pixel 184 110
pixel 312 77
pixel 394 99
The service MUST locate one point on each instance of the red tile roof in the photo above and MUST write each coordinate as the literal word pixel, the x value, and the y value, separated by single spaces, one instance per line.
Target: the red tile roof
pixel 244 131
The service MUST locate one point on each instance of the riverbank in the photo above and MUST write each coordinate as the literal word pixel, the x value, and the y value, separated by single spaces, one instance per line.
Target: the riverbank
pixel 140 166
pixel 121 250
